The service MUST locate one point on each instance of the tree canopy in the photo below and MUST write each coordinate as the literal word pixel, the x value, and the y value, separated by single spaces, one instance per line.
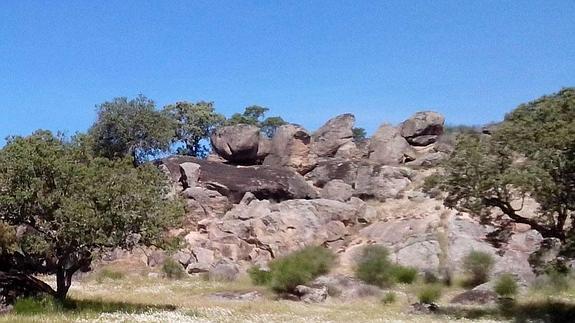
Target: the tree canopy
pixel 254 115
pixel 195 122
pixel 71 205
pixel 131 128
pixel 531 155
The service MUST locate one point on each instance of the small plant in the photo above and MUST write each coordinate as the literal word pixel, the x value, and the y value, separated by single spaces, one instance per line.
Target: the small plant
pixel 478 265
pixel 404 275
pixel 429 294
pixel 258 276
pixel 299 268
pixel 506 286
pixel 374 267
pixel 108 274
pixel 389 298
pixel 173 269
pixel 36 305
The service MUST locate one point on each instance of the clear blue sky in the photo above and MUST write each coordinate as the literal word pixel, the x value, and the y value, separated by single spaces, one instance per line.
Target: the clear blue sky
pixel 306 60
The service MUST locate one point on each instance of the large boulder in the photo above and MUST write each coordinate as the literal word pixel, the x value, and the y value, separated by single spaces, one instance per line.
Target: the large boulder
pixel 337 190
pixel 290 147
pixel 237 144
pixel 233 182
pixel 333 168
pixel 337 132
pixel 423 128
pixel 262 230
pixel 388 147
pixel 381 182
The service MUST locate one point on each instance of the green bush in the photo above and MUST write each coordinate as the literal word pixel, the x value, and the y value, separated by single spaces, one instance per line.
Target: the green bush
pixel 258 276
pixel 299 268
pixel 553 281
pixel 105 274
pixel 506 286
pixel 173 269
pixel 389 298
pixel 375 268
pixel 404 275
pixel 36 305
pixel 478 266
pixel 429 294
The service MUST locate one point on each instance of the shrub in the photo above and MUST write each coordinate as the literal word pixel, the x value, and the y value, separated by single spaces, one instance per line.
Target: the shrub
pixel 109 274
pixel 258 276
pixel 405 275
pixel 173 269
pixel 389 298
pixel 36 305
pixel 374 267
pixel 553 280
pixel 478 265
pixel 506 286
pixel 429 294
pixel 299 268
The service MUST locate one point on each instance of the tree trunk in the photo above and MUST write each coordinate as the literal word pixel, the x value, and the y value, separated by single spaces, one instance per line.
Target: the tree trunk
pixel 15 285
pixel 62 285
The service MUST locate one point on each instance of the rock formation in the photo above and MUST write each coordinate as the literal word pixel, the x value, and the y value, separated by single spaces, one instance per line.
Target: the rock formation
pixel 350 195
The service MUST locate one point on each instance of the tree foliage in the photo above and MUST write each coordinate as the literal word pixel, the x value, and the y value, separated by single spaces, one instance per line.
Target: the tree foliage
pixel 531 155
pixel 71 205
pixel 131 128
pixel 254 115
pixel 195 122
pixel 359 134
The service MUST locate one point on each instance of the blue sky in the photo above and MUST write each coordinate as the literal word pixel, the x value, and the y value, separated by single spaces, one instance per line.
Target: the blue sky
pixel 307 61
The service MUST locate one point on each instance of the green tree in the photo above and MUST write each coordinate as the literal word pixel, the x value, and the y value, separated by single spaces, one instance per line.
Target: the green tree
pixel 253 115
pixel 71 206
pixel 530 155
pixel 131 128
pixel 195 122
pixel 359 134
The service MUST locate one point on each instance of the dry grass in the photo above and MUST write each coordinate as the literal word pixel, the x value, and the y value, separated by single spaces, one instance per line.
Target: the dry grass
pixel 193 302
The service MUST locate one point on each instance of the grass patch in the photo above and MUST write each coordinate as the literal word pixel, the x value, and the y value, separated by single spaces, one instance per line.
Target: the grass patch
pixel 429 294
pixel 109 274
pixel 173 269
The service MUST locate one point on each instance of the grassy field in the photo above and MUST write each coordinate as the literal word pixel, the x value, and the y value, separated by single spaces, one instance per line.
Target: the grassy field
pixel 115 297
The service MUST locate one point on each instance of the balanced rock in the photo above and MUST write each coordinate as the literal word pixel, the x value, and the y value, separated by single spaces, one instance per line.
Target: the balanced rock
pixel 290 147
pixel 388 147
pixel 337 132
pixel 238 144
pixel 423 128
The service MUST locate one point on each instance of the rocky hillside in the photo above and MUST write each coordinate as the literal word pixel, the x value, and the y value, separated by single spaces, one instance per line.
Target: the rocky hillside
pixel 258 198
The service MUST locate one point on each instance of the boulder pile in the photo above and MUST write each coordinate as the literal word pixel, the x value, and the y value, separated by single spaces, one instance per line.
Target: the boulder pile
pixel 261 199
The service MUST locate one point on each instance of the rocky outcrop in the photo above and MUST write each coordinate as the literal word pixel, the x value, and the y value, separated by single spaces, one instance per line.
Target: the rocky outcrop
pixel 238 144
pixel 337 190
pixel 290 147
pixel 423 128
pixel 265 182
pixel 336 133
pixel 388 147
pixel 381 182
pixel 334 168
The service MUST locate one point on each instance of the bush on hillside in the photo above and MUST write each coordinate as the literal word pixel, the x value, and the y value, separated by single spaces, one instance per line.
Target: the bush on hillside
pixel 173 269
pixel 297 268
pixel 429 294
pixel 506 286
pixel 375 268
pixel 259 276
pixel 477 265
